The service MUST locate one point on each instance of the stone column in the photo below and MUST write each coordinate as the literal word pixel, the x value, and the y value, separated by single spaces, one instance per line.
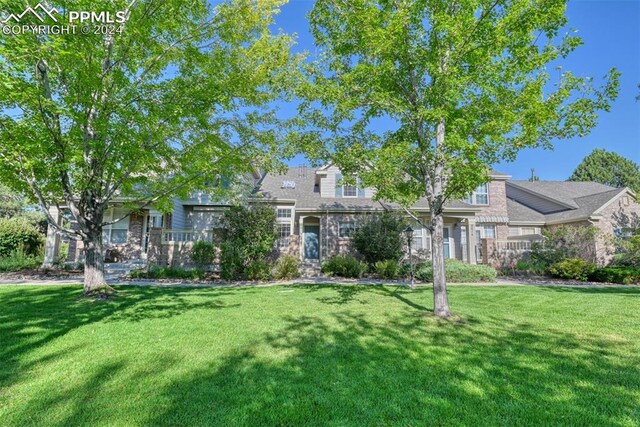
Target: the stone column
pixel 52 245
pixel 471 241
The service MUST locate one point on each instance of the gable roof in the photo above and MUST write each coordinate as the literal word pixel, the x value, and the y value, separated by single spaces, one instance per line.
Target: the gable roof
pixel 580 199
pixel 306 194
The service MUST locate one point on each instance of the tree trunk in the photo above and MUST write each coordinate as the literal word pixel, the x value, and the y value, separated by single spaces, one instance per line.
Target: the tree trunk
pixel 440 299
pixel 94 280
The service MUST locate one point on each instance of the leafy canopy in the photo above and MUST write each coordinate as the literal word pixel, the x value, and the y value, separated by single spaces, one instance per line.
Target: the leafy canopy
pixel 391 74
pixel 177 99
pixel 608 168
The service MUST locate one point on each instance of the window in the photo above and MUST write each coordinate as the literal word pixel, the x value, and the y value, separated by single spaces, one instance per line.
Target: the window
pixel 526 231
pixel 480 196
pixel 487 231
pixel 284 213
pixel 349 191
pixel 115 233
pixel 346 228
pixel 418 233
pixel 284 231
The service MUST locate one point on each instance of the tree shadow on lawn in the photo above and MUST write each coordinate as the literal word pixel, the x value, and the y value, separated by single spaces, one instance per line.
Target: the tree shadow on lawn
pixel 31 317
pixel 408 371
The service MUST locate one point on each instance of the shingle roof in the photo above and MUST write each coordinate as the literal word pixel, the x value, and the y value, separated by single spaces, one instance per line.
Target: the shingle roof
pixel 307 194
pixel 581 198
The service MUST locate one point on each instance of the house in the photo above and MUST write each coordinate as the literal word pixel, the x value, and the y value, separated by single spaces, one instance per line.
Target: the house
pixel 316 213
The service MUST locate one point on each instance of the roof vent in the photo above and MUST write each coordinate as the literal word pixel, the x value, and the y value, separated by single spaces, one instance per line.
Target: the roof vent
pixel 288 184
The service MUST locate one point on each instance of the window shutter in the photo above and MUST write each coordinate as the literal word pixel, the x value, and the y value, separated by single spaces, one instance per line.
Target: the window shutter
pixel 338 185
pixel 361 192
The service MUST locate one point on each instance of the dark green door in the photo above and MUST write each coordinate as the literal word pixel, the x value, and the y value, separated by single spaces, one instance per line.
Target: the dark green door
pixel 311 242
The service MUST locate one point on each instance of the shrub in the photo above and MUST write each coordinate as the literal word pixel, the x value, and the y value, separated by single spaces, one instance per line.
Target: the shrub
pixel 344 266
pixel 565 242
pixel 286 268
pixel 18 233
pixel 388 269
pixel 258 270
pixel 630 256
pixel 457 271
pixel 18 260
pixel 156 272
pixel 572 268
pixel 249 236
pixel 624 275
pixel 203 254
pixel 379 237
pixel 531 266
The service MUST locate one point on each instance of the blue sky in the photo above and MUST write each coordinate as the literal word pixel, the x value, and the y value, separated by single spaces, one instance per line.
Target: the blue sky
pixel 610 30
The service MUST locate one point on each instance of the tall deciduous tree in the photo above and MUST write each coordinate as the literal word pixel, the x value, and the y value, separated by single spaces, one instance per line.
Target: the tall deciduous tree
pixel 461 84
pixel 175 99
pixel 608 168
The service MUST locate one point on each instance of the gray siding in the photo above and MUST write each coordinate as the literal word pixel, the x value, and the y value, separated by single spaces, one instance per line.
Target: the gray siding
pixel 178 218
pixel 535 202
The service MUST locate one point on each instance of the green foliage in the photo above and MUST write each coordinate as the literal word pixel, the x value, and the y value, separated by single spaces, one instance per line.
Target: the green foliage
pixel 388 269
pixel 203 254
pixel 344 266
pixel 286 268
pixel 249 237
pixel 18 233
pixel 379 237
pixel 182 96
pixel 565 242
pixel 572 268
pixel 156 272
pixel 608 168
pixel 630 255
pixel 623 275
pixel 459 272
pixel 258 270
pixel 530 266
pixel 19 260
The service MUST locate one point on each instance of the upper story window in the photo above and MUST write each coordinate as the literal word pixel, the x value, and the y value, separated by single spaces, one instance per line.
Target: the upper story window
pixel 284 213
pixel 349 191
pixel 480 196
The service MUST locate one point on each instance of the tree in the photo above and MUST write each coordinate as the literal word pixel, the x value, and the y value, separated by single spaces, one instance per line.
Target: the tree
pixel 379 237
pixel 608 168
pixel 419 98
pixel 176 98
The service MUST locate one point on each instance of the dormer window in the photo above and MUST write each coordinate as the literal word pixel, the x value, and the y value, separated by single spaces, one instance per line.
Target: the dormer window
pixel 349 191
pixel 480 196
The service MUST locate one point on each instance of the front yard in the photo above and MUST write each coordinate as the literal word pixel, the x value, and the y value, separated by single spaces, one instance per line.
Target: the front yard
pixel 319 355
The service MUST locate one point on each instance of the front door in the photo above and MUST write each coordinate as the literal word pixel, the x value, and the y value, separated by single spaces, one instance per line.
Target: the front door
pixel 311 242
pixel 151 220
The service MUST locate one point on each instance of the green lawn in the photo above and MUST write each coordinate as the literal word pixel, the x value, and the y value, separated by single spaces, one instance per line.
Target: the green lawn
pixel 319 355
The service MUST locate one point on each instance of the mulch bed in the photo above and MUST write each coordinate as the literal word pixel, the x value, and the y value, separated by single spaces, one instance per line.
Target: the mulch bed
pixel 41 274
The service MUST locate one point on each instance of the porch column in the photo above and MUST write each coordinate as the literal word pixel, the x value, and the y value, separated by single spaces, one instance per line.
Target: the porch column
pixel 471 241
pixel 52 245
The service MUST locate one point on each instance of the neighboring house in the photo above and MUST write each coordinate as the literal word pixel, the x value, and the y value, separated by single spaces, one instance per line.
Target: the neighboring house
pixel 548 204
pixel 317 212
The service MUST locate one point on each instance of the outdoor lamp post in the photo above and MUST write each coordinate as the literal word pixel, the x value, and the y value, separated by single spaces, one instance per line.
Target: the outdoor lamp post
pixel 408 232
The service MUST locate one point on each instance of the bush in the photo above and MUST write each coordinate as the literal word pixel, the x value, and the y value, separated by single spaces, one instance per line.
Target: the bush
pixel 258 270
pixel 379 237
pixel 249 237
pixel 344 266
pixel 565 242
pixel 530 266
pixel 388 269
pixel 572 268
pixel 156 272
pixel 286 268
pixel 18 260
pixel 457 271
pixel 630 256
pixel 203 254
pixel 624 275
pixel 19 234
